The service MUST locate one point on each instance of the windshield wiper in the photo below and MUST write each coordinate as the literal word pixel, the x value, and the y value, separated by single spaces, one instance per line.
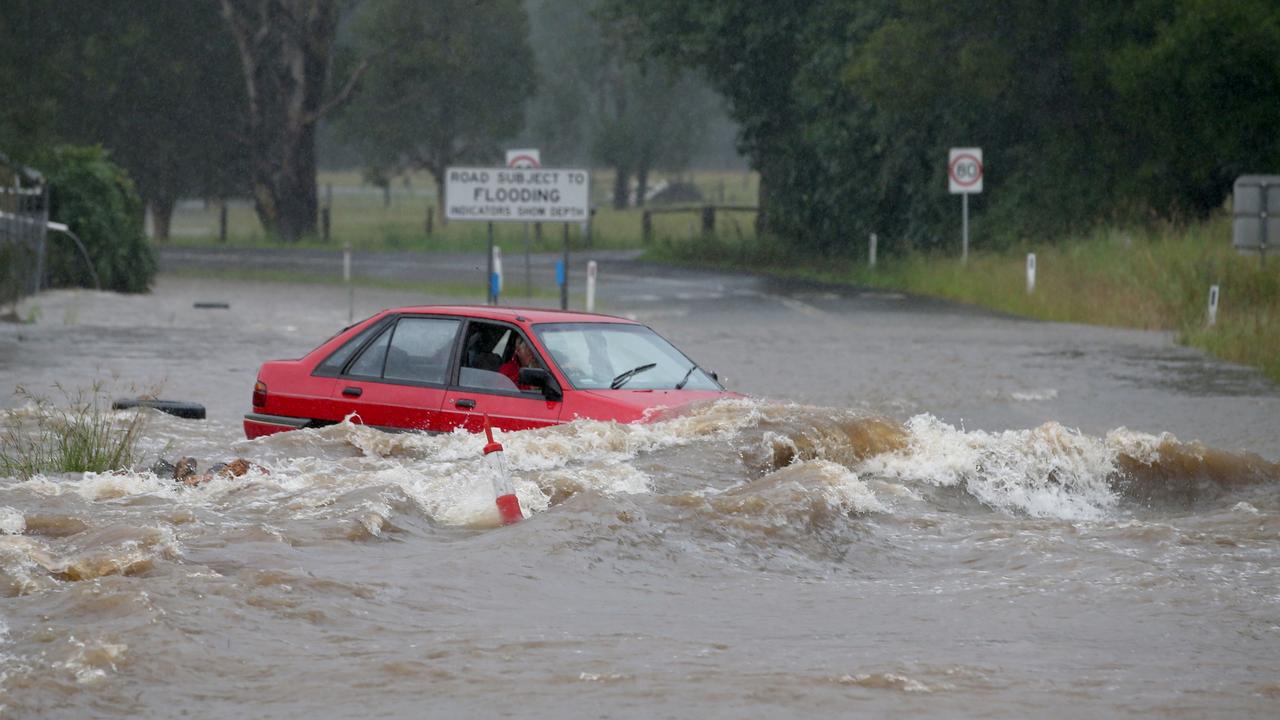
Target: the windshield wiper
pixel 685 379
pixel 624 377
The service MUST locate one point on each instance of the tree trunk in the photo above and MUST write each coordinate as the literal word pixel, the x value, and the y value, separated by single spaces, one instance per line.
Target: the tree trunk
pixel 161 217
pixel 764 225
pixel 285 52
pixel 621 188
pixel 437 174
pixel 642 185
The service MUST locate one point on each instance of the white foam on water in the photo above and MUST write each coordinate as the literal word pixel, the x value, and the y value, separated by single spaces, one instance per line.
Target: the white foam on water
pixel 1142 447
pixel 96 487
pixel 12 522
pixel 1034 395
pixel 1049 471
pixel 91 661
pixel 446 476
pixel 885 681
pixel 838 486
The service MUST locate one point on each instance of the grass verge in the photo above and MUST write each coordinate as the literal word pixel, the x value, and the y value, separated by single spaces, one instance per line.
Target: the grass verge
pixel 84 436
pixel 370 220
pixel 1154 278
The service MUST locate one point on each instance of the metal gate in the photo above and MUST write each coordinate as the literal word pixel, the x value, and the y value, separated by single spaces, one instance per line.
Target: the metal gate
pixel 24 217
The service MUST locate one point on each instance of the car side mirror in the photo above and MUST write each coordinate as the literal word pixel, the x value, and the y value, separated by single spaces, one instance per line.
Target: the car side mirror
pixel 540 378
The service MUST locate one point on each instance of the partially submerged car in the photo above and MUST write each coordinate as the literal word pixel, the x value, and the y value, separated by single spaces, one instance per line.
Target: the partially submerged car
pixel 438 368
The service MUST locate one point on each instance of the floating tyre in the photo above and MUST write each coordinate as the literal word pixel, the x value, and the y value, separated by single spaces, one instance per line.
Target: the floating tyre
pixel 177 408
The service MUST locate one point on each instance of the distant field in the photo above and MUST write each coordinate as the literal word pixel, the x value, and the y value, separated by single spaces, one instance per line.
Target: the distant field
pixel 371 220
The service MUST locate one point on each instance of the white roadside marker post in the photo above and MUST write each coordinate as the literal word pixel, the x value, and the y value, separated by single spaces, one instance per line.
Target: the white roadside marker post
pixel 871 251
pixel 1031 273
pixel 346 279
pixel 1213 305
pixel 591 286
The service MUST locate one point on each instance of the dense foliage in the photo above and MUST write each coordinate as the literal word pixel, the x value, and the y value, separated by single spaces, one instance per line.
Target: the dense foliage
pixel 446 81
pixel 154 81
pixel 1087 110
pixel 597 104
pixel 97 200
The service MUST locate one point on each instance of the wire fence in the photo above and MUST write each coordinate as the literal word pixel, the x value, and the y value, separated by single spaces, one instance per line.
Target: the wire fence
pixel 24 216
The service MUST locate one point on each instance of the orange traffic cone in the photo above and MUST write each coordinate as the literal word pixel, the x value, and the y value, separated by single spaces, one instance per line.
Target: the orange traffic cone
pixel 505 495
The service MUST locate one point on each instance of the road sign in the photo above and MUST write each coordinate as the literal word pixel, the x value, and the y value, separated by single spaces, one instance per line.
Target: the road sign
pixel 517 195
pixel 524 158
pixel 965 170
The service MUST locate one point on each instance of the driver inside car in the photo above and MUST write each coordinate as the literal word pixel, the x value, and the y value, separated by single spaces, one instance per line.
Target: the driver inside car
pixel 522 357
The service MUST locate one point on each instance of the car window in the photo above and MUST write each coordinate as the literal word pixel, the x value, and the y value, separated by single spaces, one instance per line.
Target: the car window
pixel 600 355
pixel 488 348
pixel 369 363
pixel 332 365
pixel 419 350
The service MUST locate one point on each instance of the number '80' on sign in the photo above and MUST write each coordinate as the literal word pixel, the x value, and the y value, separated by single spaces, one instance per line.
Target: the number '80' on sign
pixel 965 170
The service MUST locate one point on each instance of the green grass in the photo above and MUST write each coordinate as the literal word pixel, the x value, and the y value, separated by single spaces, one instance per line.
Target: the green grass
pixel 1153 278
pixel 84 436
pixel 363 217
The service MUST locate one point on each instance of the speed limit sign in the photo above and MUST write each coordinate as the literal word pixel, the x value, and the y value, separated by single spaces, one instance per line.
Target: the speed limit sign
pixel 964 170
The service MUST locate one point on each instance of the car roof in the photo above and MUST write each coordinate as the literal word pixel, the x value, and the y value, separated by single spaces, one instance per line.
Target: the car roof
pixel 528 316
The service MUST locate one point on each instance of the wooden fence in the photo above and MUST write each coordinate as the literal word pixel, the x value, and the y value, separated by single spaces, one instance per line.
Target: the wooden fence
pixel 707 212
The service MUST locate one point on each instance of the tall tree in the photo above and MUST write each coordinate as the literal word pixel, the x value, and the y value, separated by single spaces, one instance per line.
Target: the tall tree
pixel 751 52
pixel 448 80
pixel 152 81
pixel 634 116
pixel 285 49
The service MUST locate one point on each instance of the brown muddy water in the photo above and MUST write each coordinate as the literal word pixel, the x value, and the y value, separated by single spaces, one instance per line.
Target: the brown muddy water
pixel 919 511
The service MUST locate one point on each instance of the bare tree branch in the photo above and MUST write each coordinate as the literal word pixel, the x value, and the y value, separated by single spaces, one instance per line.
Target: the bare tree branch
pixel 343 94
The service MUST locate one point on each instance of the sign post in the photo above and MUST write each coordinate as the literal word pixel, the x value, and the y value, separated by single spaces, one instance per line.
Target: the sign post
pixel 964 177
pixel 492 195
pixel 526 158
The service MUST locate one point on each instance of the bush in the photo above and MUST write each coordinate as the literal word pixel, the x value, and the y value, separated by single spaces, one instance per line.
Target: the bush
pixel 96 198
pixel 85 436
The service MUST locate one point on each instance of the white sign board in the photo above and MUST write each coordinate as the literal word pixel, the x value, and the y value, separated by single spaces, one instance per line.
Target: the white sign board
pixel 965 170
pixel 524 158
pixel 517 195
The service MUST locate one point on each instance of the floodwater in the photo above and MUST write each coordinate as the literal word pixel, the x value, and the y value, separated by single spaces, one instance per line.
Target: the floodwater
pixel 920 510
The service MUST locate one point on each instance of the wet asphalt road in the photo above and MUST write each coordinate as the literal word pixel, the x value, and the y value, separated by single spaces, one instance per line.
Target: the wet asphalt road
pixel 882 352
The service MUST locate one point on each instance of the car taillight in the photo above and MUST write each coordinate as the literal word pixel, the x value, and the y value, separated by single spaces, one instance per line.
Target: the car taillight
pixel 259 394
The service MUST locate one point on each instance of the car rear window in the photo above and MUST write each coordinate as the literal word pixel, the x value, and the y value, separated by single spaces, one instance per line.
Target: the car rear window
pixel 333 364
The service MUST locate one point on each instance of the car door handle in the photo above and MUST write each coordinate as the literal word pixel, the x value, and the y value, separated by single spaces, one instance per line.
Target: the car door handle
pixel 352 391
pixel 464 403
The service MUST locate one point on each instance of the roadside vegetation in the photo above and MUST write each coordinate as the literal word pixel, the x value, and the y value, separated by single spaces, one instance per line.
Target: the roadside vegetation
pixel 372 219
pixel 1155 278
pixel 84 435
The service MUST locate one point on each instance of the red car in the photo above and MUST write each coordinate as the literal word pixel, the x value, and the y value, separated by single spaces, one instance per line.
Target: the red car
pixel 438 368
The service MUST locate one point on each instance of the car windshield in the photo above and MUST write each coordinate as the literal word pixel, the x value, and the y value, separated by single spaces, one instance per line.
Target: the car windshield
pixel 600 356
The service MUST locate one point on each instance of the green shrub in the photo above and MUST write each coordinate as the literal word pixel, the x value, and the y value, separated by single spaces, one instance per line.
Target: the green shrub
pixel 96 198
pixel 85 436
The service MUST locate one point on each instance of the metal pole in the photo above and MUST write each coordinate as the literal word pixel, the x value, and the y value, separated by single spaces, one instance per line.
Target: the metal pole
pixel 564 289
pixel 528 263
pixel 964 246
pixel 41 234
pixel 488 276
